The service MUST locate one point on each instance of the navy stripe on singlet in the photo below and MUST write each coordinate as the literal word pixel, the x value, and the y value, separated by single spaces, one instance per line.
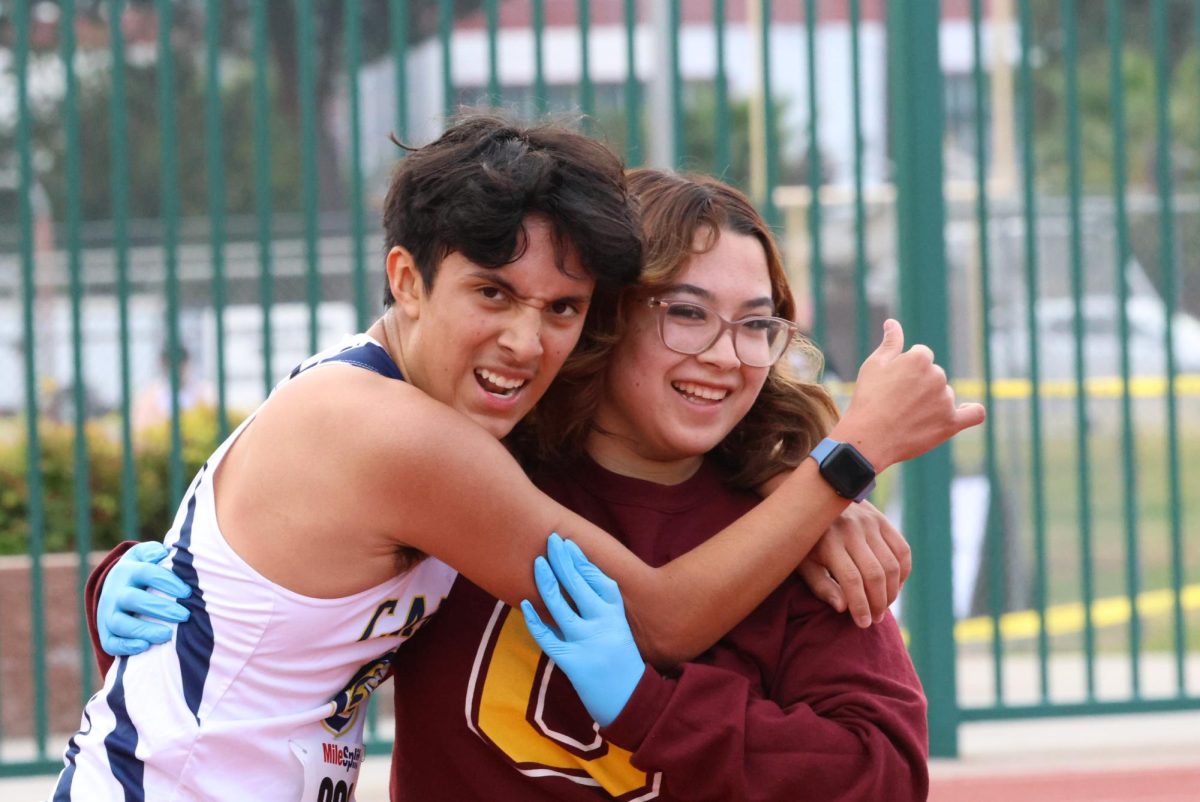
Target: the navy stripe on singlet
pixel 370 356
pixel 194 637
pixel 121 743
pixel 190 639
pixel 62 790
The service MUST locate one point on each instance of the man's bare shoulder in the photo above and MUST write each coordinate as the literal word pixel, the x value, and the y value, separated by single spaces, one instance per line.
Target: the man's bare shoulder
pixel 359 426
pixel 342 393
pixel 341 461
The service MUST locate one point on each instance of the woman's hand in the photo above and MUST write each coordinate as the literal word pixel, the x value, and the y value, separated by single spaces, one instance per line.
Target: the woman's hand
pixel 126 598
pixel 859 564
pixel 594 646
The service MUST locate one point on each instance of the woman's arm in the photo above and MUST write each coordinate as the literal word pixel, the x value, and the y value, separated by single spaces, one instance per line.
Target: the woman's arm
pixel 844 718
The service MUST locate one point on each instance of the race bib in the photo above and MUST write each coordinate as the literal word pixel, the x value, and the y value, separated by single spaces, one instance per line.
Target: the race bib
pixel 330 768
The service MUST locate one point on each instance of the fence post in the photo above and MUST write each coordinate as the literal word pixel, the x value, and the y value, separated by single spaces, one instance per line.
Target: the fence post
pixel 916 120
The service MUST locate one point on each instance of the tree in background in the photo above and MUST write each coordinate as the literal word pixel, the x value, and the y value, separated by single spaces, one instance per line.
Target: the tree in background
pixel 139 23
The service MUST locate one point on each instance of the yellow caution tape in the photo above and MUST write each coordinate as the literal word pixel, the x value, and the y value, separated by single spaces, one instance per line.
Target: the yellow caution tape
pixel 1097 387
pixel 1065 619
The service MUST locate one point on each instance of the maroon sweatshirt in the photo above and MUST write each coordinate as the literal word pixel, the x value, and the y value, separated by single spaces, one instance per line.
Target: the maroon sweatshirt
pixel 796 703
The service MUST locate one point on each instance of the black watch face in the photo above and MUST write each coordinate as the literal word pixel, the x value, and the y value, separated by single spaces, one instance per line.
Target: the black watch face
pixel 852 471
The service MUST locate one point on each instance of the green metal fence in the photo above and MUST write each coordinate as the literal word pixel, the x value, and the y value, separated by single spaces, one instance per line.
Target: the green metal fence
pixel 189 194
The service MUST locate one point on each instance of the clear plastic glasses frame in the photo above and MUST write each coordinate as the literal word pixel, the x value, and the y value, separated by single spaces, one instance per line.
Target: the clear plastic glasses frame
pixel 691 328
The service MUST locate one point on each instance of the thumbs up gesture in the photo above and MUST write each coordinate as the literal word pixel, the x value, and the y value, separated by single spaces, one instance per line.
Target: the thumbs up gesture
pixel 902 404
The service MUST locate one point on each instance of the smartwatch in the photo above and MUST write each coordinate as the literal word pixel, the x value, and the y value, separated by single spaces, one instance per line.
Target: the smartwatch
pixel 850 474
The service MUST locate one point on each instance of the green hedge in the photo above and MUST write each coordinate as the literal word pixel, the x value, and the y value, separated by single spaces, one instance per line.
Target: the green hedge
pixel 57 442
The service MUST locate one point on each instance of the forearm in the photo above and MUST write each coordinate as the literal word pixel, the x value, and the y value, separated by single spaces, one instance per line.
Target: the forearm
pixel 688 604
pixel 676 611
pixel 709 590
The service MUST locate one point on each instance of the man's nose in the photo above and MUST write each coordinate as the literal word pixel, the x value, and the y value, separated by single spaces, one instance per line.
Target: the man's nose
pixel 522 335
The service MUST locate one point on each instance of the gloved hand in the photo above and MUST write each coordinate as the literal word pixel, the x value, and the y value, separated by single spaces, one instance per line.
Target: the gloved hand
pixel 594 647
pixel 125 596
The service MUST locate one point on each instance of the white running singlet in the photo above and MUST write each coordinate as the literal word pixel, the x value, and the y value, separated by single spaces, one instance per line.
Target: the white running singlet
pixel 261 694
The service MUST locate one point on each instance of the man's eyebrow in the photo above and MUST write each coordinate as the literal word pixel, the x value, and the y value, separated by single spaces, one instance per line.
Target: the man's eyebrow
pixel 494 277
pixel 508 287
pixel 700 292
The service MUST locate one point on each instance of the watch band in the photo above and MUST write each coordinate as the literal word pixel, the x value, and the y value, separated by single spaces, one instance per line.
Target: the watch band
pixel 823 449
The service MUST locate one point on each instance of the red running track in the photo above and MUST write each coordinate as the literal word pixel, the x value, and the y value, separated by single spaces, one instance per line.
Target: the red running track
pixel 1174 784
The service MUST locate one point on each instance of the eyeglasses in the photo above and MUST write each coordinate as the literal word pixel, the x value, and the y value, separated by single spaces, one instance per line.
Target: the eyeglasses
pixel 688 328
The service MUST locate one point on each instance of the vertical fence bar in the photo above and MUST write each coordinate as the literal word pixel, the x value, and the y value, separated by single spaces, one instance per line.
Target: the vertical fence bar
pixel 445 36
pixel 170 226
pixel 1170 270
pixel 1082 428
pixel 1196 42
pixel 633 115
pixel 81 463
pixel 1029 187
pixel 1116 27
pixel 862 314
pixel 353 34
pixel 770 141
pixel 262 188
pixel 996 576
pixel 37 519
pixel 587 101
pixel 915 72
pixel 398 15
pixel 492 12
pixel 214 149
pixel 678 146
pixel 540 101
pixel 722 156
pixel 308 169
pixel 816 261
pixel 120 217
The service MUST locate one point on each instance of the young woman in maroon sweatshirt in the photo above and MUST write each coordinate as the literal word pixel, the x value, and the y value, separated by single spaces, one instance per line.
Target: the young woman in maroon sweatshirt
pixel 663 449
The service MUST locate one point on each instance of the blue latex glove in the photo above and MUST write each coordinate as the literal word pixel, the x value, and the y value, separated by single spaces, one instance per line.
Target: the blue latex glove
pixel 594 646
pixel 126 595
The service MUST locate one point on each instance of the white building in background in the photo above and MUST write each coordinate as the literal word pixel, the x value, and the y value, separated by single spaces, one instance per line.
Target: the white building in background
pixel 607 59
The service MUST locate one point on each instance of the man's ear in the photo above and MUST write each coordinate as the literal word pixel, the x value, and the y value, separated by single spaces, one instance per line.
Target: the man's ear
pixel 404 280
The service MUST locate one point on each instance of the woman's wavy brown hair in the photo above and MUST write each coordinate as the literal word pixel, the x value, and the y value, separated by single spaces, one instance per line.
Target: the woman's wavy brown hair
pixel 788 418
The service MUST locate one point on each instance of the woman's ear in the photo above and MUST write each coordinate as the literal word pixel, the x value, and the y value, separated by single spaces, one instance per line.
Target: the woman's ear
pixel 404 280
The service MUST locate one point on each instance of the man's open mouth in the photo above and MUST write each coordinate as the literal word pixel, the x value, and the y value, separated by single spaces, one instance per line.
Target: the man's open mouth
pixel 498 385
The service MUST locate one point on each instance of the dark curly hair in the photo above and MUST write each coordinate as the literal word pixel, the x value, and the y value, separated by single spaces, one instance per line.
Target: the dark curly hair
pixel 470 190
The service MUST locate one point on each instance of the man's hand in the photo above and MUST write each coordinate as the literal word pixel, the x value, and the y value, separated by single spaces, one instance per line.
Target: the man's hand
pixel 902 405
pixel 126 596
pixel 594 646
pixel 859 564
